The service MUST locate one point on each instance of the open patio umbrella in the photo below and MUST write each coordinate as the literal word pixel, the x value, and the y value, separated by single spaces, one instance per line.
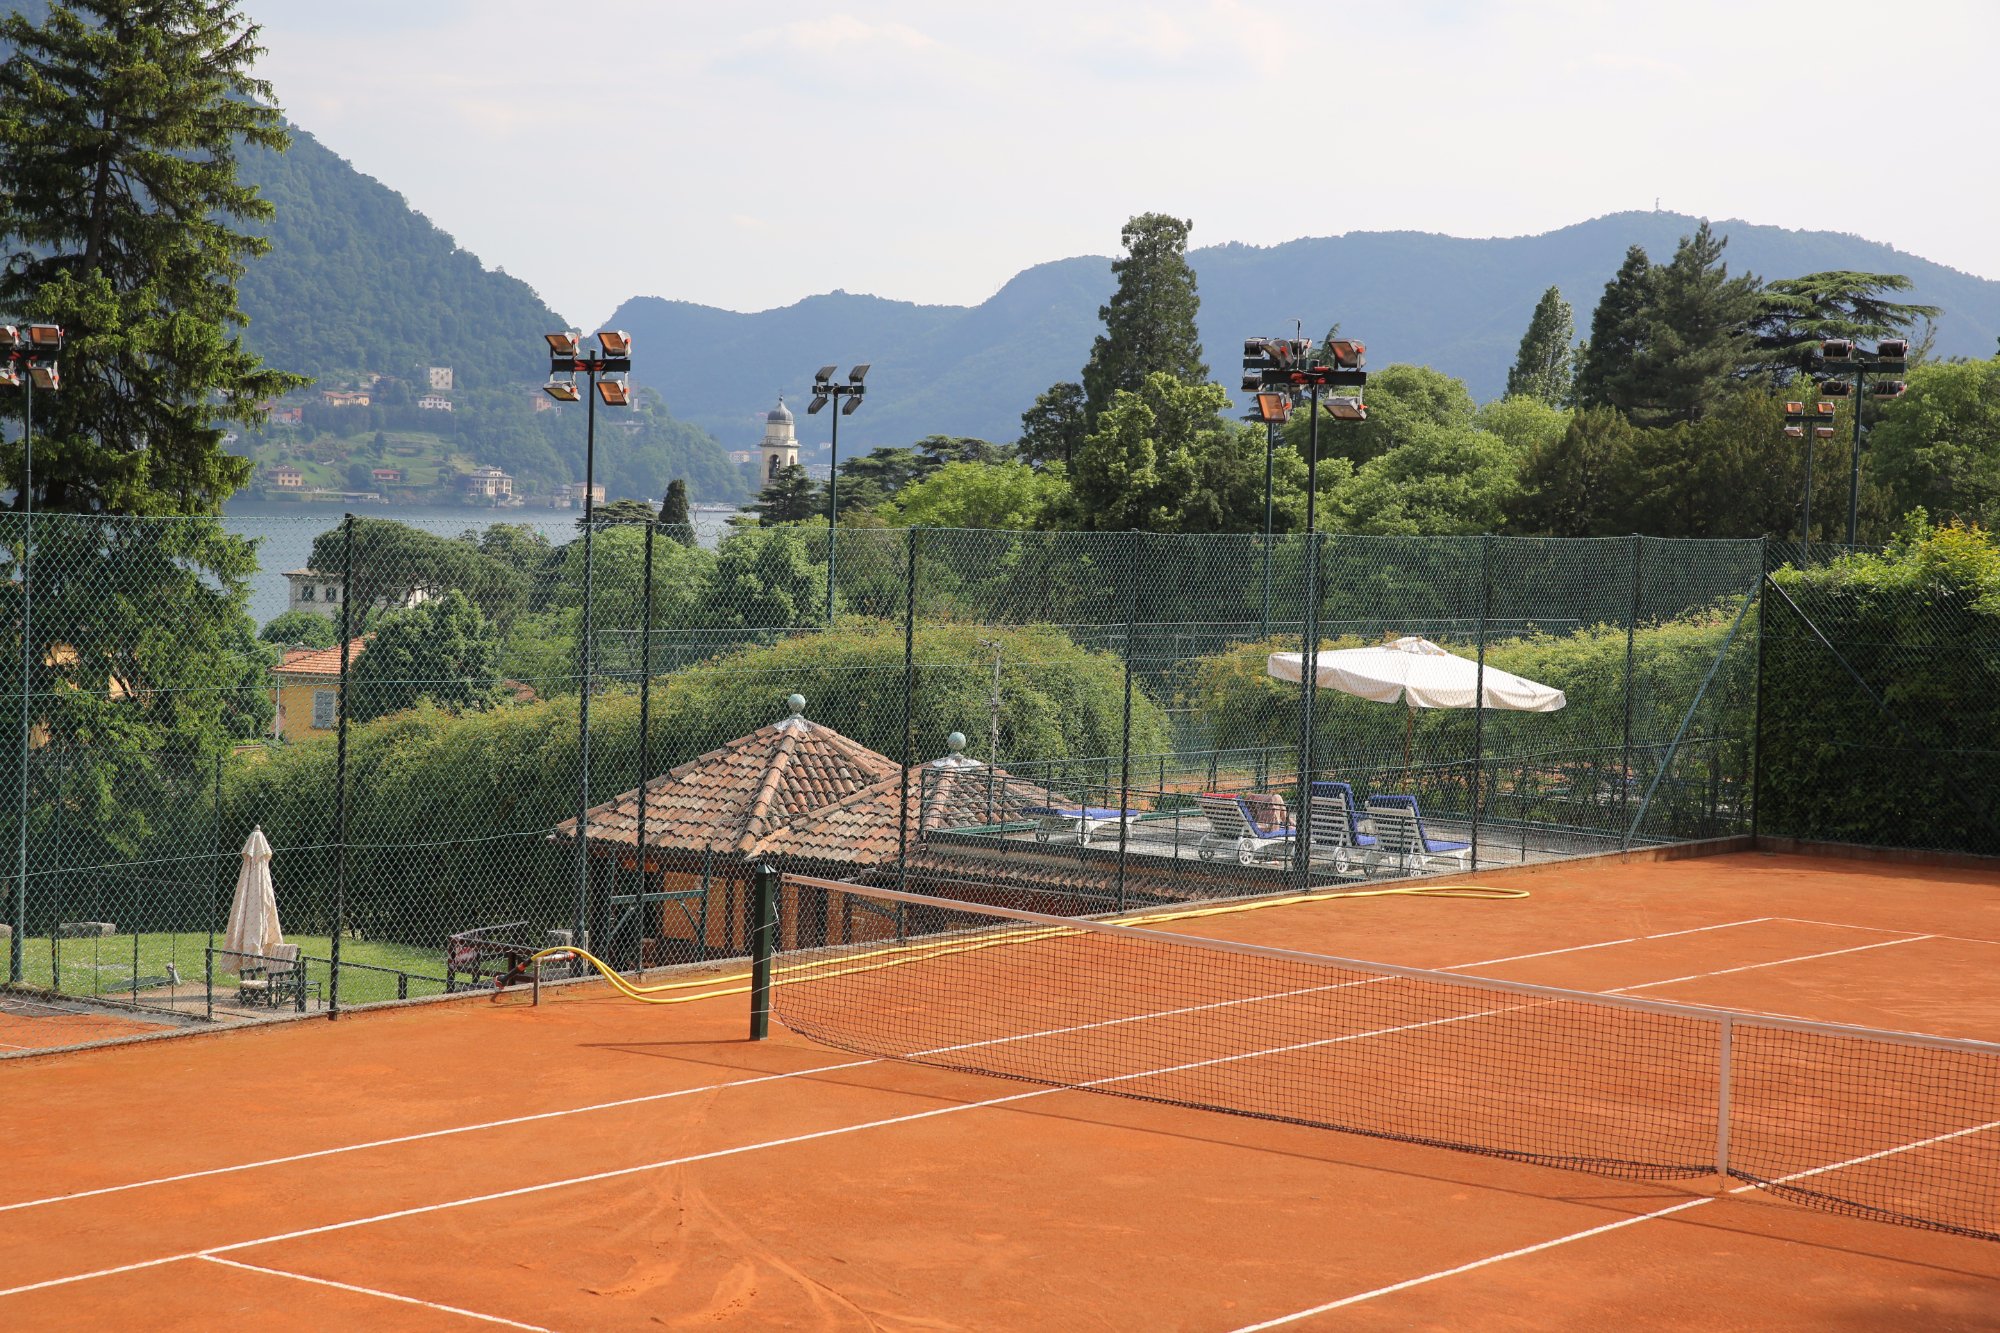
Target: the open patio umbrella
pixel 253 913
pixel 1416 672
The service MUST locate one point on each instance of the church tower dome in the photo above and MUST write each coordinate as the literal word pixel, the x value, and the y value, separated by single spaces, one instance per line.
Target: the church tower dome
pixel 780 444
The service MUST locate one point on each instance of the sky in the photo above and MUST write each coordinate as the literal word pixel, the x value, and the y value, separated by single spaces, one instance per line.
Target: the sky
pixel 747 156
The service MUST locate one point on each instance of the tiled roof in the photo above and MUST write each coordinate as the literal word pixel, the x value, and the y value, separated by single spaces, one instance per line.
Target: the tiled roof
pixel 318 661
pixel 728 800
pixel 949 793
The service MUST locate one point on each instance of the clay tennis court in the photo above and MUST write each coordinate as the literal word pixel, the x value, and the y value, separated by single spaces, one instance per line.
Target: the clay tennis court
pixel 598 1163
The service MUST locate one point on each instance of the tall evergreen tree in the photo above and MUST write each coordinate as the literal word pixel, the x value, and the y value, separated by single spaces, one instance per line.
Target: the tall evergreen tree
pixel 121 122
pixel 674 513
pixel 1544 367
pixel 789 497
pixel 1149 326
pixel 1799 312
pixel 1617 332
pixel 1053 428
pixel 1697 334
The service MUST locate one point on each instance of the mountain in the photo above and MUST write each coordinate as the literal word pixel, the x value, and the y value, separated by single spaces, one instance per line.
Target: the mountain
pixel 1455 303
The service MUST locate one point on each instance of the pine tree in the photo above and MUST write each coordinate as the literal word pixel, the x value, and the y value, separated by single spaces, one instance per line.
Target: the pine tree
pixel 1544 368
pixel 1697 337
pixel 1149 326
pixel 121 122
pixel 1617 332
pixel 1799 312
pixel 674 515
pixel 789 497
pixel 1053 427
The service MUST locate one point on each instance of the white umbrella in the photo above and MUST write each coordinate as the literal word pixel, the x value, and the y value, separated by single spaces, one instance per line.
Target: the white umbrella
pixel 1418 672
pixel 253 913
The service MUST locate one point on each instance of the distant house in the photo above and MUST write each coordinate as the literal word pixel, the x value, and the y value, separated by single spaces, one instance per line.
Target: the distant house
pixel 576 494
pixel 287 476
pixel 544 403
pixel 306 690
pixel 344 398
pixel 488 483
pixel 288 414
pixel 441 378
pixel 434 402
pixel 318 592
pixel 742 457
pixel 387 476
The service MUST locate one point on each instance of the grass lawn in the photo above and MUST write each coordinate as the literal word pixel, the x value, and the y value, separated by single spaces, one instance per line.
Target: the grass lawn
pixel 105 965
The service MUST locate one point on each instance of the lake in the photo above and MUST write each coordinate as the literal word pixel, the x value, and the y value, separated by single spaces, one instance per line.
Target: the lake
pixel 285 534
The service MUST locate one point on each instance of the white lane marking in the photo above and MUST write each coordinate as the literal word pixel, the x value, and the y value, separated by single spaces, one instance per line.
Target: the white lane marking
pixel 376 1291
pixel 429 1134
pixel 1883 930
pixel 1775 962
pixel 1586 1234
pixel 1608 944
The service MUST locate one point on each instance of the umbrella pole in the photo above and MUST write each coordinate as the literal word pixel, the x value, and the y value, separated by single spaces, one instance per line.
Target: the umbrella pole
pixel 1409 725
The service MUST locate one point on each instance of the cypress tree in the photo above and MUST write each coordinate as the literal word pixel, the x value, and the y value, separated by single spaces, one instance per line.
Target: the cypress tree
pixel 121 122
pixel 1697 337
pixel 674 514
pixel 1617 332
pixel 1544 367
pixel 1149 326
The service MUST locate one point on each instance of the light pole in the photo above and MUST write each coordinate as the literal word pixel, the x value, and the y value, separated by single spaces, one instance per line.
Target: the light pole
pixel 605 371
pixel 1839 357
pixel 825 391
pixel 1812 427
pixel 29 363
pixel 1273 408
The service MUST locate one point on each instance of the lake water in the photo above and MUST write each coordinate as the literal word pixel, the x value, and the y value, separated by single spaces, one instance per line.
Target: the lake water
pixel 285 534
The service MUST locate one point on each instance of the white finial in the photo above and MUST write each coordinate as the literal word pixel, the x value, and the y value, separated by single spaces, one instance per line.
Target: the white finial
pixel 955 742
pixel 797 703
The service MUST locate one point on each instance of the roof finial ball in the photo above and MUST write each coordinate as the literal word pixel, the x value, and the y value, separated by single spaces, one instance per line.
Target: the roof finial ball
pixel 797 703
pixel 955 742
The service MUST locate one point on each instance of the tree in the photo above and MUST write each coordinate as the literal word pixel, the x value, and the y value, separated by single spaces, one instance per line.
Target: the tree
pixel 1162 459
pixel 1053 428
pixel 674 514
pixel 1544 367
pixel 1721 476
pixel 442 650
pixel 1798 313
pixel 789 497
pixel 870 480
pixel 1696 336
pixel 1400 398
pixel 299 629
pixel 1439 480
pixel 1938 446
pixel 767 580
pixel 393 563
pixel 1149 325
pixel 621 511
pixel 360 477
pixel 1580 483
pixel 120 128
pixel 974 495
pixel 1617 334
pixel 1526 424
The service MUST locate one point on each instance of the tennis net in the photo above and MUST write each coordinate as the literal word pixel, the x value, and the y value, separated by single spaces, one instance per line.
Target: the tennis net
pixel 1893 1126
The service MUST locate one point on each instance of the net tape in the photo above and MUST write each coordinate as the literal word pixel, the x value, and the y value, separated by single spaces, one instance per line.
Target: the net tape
pixel 1894 1126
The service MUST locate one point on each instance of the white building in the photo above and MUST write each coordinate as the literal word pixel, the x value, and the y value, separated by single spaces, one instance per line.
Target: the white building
pixel 319 592
pixel 434 402
pixel 441 378
pixel 487 483
pixel 780 445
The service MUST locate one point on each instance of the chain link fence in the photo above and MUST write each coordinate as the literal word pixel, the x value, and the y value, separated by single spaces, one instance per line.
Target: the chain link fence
pixel 490 742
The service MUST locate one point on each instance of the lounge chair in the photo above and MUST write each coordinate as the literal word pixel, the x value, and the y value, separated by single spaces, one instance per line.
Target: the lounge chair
pixel 274 978
pixel 1400 836
pixel 1254 827
pixel 1336 829
pixel 1075 821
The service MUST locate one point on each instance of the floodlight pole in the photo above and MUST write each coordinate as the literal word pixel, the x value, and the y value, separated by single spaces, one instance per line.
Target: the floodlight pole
pixel 832 512
pixel 1270 453
pixel 827 390
pixel 19 353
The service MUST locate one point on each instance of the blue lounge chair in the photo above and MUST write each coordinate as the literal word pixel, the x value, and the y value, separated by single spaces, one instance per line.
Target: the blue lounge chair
pixel 1075 821
pixel 1336 829
pixel 1400 836
pixel 1233 823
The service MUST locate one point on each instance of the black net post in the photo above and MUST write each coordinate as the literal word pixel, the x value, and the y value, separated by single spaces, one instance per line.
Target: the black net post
pixel 643 908
pixel 340 765
pixel 1479 693
pixel 1631 632
pixel 1757 723
pixel 1134 547
pixel 763 940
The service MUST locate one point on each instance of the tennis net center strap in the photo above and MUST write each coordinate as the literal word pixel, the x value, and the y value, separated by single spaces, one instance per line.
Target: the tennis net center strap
pixel 1888 1125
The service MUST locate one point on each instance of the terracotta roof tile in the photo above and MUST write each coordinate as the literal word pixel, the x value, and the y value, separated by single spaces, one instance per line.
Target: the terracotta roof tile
pixel 949 793
pixel 318 661
pixel 731 798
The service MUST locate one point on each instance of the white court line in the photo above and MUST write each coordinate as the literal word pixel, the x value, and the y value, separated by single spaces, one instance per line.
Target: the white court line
pixel 376 1291
pixel 683 1092
pixel 1884 930
pixel 1668 1211
pixel 1775 962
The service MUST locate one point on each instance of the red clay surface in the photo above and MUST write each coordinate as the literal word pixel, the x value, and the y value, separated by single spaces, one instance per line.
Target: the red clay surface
pixel 28 1026
pixel 782 1184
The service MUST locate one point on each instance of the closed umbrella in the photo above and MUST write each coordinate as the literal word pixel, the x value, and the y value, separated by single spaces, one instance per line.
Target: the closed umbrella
pixel 253 913
pixel 1417 672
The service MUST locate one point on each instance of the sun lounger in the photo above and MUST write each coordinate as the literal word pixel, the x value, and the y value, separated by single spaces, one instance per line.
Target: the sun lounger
pixel 1076 821
pixel 1253 827
pixel 1336 829
pixel 1400 836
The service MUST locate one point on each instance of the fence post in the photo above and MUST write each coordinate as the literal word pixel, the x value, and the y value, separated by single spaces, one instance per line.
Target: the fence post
pixel 1725 1061
pixel 763 941
pixel 1757 726
pixel 586 627
pixel 221 853
pixel 18 941
pixel 646 748
pixel 909 711
pixel 1479 691
pixel 1631 630
pixel 340 765
pixel 1129 579
pixel 1308 682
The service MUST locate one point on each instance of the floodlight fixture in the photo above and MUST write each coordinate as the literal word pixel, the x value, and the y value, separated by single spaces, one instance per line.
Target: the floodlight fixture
pixel 1347 353
pixel 563 391
pixel 1795 432
pixel 1835 388
pixel 1824 432
pixel 615 393
pixel 859 373
pixel 1825 409
pixel 852 403
pixel 45 376
pixel 1888 389
pixel 1274 407
pixel 1795 409
pixel 1893 349
pixel 1837 349
pixel 1346 407
pixel 10 376
pixel 9 336
pixel 614 342
pixel 823 374
pixel 45 337
pixel 819 401
pixel 566 344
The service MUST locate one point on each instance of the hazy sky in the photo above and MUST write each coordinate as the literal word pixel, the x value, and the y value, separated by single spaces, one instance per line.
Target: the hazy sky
pixel 749 155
